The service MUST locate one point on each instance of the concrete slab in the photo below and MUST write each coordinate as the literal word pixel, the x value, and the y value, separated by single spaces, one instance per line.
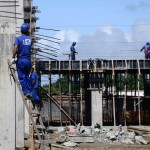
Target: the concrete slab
pixel 81 138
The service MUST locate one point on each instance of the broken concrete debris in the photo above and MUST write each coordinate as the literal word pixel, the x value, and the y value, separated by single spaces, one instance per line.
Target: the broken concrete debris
pixel 108 135
pixel 70 144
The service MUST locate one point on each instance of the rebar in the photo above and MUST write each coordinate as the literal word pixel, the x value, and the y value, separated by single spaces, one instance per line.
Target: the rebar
pixel 47 29
pixel 47 46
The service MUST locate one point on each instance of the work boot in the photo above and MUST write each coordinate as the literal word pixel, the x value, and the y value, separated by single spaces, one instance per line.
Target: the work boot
pixel 29 96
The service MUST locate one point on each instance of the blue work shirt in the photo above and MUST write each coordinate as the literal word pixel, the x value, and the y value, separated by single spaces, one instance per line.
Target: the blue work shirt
pixel 72 48
pixel 73 51
pixel 34 77
pixel 24 43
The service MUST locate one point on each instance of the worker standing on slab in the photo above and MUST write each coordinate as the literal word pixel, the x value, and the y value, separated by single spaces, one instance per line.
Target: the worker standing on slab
pixel 35 87
pixel 22 49
pixel 146 49
pixel 73 51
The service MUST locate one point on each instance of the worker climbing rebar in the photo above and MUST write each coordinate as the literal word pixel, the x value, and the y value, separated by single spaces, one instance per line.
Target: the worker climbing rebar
pixel 146 49
pixel 22 50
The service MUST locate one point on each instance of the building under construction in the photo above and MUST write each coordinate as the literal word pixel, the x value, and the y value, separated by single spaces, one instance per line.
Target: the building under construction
pixel 109 92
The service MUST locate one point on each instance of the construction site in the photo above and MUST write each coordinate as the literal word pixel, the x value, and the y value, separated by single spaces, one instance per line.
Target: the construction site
pixel 99 103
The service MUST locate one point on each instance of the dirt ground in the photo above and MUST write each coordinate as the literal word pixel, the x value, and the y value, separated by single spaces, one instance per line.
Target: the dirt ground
pixel 100 146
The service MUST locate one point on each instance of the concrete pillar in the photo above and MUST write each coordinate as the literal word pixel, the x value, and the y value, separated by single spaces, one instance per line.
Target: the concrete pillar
pixel 7 93
pixel 11 105
pixel 20 118
pixel 96 110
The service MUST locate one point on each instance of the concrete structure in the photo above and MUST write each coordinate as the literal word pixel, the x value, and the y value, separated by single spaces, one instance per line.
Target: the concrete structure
pixel 96 110
pixel 11 108
pixel 108 91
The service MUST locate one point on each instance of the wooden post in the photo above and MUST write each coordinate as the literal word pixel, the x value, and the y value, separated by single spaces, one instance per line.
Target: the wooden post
pixel 70 94
pixel 49 93
pixel 125 100
pixel 81 99
pixel 113 80
pixel 32 138
pixel 139 110
pixel 60 99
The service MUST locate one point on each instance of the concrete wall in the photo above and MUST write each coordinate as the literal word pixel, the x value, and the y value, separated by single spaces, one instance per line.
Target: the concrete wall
pixel 11 108
pixel 96 107
pixel 20 126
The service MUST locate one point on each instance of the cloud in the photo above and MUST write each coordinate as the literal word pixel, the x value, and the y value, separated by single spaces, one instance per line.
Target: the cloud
pixel 68 35
pixel 102 44
pixel 141 31
pixel 138 6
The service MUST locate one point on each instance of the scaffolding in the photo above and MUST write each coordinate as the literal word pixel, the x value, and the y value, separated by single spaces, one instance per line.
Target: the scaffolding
pixel 124 85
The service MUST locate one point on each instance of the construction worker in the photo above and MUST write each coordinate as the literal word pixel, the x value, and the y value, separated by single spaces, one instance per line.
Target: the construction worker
pixel 146 49
pixel 22 49
pixel 73 51
pixel 35 86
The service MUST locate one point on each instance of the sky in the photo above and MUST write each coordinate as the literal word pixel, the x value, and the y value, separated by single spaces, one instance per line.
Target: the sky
pixel 103 29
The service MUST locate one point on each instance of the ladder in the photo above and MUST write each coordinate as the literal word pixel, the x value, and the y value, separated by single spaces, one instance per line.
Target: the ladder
pixel 39 129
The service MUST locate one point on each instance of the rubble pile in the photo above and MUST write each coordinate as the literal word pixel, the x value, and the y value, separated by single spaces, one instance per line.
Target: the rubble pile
pixel 97 133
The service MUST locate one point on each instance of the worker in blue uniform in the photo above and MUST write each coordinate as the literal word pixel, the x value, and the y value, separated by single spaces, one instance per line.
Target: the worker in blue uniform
pixel 22 49
pixel 73 51
pixel 146 49
pixel 35 87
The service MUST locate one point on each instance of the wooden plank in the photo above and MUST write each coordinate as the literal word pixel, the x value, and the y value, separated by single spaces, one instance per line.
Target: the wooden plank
pixel 81 139
pixel 58 105
pixel 139 128
pixel 61 147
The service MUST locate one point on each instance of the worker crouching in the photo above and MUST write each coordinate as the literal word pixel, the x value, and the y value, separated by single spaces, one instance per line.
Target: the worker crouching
pixel 146 49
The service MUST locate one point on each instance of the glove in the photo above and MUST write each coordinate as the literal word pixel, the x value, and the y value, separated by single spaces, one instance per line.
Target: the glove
pixel 13 61
pixel 141 50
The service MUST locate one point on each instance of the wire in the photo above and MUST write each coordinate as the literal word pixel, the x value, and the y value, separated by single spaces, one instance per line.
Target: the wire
pixel 84 42
pixel 55 51
pixel 99 25
pixel 47 29
pixel 40 51
pixel 46 57
pixel 47 36
pixel 47 45
pixel 48 40
pixel 96 42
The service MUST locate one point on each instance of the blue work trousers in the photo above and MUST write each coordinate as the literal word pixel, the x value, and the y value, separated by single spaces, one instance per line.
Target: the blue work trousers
pixel 73 57
pixel 148 56
pixel 23 69
pixel 35 95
